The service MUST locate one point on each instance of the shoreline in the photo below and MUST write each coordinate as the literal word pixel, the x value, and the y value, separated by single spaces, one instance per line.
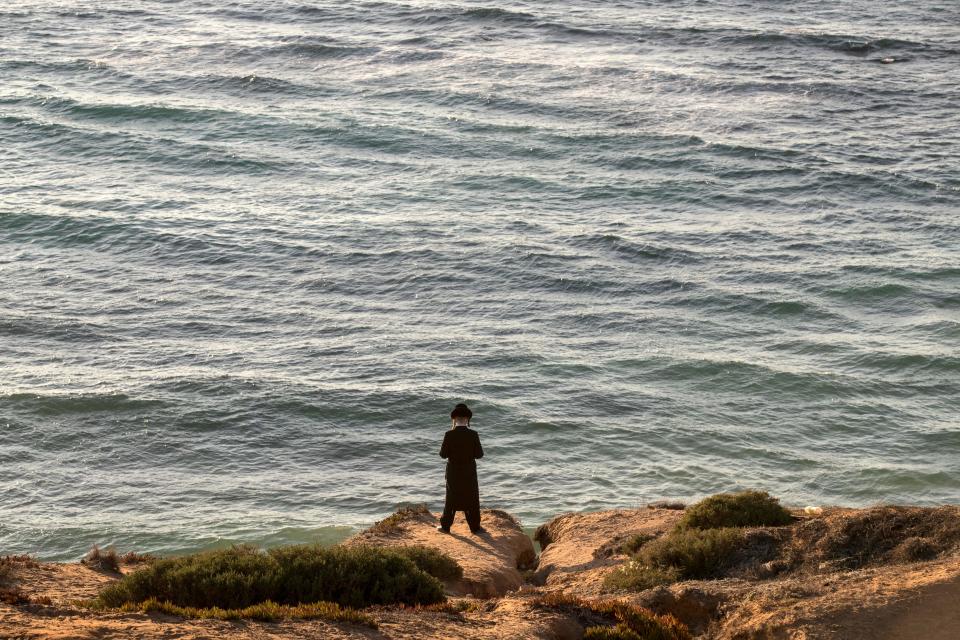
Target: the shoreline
pixel 337 534
pixel 791 579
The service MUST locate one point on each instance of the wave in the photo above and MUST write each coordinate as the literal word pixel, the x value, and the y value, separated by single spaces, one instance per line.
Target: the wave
pixel 91 144
pixel 286 47
pixel 66 329
pixel 873 292
pixel 852 44
pixel 307 47
pixel 117 236
pixel 844 43
pixel 913 363
pixel 935 274
pixel 718 37
pixel 498 15
pixel 61 405
pixel 242 85
pixel 636 251
pixel 121 112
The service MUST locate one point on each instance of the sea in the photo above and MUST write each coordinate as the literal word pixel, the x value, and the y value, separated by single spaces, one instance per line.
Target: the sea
pixel 252 252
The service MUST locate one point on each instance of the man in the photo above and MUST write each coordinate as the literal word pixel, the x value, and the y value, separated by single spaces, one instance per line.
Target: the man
pixel 461 447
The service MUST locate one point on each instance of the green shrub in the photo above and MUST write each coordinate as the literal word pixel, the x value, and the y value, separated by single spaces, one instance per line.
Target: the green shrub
pixel 433 561
pixel 745 509
pixel 635 576
pixel 243 576
pixel 693 553
pixel 632 544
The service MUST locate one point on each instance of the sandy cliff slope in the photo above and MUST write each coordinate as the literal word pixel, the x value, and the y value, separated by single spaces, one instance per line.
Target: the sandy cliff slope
pixel 491 561
pixel 870 574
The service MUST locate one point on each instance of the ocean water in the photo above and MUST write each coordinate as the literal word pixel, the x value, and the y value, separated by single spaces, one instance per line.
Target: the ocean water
pixel 252 252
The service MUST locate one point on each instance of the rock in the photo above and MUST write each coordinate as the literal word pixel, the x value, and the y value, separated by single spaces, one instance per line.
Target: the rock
pixel 694 606
pixel 491 561
pixel 667 504
pixel 896 602
pixel 770 569
pixel 575 545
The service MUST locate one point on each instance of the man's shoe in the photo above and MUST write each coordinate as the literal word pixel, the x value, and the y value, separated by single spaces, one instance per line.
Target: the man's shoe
pixel 478 531
pixel 443 530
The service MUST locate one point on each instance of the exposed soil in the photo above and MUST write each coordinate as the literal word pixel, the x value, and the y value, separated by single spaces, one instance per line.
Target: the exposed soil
pixel 492 561
pixel 580 549
pixel 871 574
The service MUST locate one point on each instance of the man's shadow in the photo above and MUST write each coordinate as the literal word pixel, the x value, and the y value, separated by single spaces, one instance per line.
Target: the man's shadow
pixel 470 539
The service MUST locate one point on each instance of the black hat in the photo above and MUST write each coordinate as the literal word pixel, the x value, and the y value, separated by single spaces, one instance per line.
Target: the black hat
pixel 461 411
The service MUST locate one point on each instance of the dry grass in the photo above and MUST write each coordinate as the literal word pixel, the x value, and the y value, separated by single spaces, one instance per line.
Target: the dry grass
pixel 132 557
pixel 264 611
pixel 880 535
pixel 619 632
pixel 13 596
pixel 609 616
pixel 667 504
pixel 8 565
pixel 391 525
pixel 43 600
pixel 450 606
pixel 8 570
pixel 102 559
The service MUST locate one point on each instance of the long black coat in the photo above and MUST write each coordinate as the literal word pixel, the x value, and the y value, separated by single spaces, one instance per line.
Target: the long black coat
pixel 461 447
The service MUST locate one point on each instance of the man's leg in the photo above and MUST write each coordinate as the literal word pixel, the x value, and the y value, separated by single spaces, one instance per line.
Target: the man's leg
pixel 446 519
pixel 473 518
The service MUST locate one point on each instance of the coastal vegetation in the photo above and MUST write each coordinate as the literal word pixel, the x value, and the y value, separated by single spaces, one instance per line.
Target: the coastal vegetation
pixel 434 562
pixel 704 543
pixel 744 534
pixel 816 559
pixel 268 611
pixel 692 553
pixel 874 536
pixel 102 559
pixel 615 619
pixel 10 593
pixel 391 525
pixel 744 509
pixel 632 544
pixel 244 581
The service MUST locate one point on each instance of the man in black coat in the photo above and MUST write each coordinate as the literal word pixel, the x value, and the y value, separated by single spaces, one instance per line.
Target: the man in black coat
pixel 461 447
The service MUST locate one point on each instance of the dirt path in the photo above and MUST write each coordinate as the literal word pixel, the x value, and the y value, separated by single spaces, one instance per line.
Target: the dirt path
pixel 930 612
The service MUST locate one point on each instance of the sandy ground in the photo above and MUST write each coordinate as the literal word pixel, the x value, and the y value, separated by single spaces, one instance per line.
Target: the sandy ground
pixel 576 557
pixel 492 561
pixel 912 601
pixel 920 601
